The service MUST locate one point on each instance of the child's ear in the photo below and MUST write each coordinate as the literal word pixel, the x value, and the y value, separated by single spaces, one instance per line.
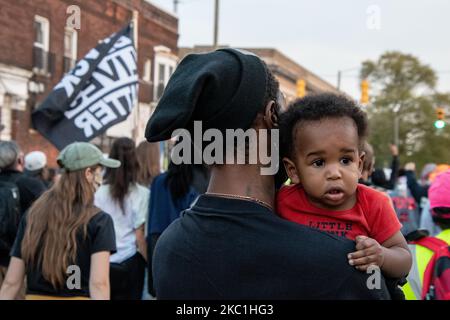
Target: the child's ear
pixel 362 156
pixel 291 170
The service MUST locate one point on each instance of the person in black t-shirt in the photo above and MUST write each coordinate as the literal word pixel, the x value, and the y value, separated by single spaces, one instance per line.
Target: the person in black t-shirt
pixel 64 243
pixel 230 244
pixel 11 170
pixel 29 189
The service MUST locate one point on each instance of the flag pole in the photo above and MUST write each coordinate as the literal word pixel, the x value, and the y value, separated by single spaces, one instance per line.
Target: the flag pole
pixel 135 24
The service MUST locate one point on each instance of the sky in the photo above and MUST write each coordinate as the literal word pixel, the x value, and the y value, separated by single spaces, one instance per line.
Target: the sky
pixel 325 35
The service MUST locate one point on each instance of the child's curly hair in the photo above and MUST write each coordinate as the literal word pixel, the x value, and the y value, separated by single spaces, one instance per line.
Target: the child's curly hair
pixel 315 108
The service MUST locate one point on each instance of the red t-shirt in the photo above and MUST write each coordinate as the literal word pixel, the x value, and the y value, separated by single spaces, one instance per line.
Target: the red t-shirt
pixel 373 214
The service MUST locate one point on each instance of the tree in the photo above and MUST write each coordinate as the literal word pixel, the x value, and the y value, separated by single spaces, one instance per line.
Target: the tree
pixel 403 87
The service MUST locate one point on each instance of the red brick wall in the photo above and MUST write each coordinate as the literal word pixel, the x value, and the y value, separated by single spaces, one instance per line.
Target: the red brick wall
pixel 99 18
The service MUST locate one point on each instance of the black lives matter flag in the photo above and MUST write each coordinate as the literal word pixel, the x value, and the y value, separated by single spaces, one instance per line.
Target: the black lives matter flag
pixel 99 92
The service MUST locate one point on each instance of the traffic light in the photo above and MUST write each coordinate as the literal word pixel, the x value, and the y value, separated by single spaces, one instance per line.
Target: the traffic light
pixel 301 88
pixel 440 122
pixel 364 92
pixel 440 113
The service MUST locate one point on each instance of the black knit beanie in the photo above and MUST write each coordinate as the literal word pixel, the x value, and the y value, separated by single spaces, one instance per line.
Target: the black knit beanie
pixel 224 89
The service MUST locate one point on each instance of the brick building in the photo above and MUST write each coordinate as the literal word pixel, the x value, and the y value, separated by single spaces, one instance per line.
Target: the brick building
pixel 286 70
pixel 37 48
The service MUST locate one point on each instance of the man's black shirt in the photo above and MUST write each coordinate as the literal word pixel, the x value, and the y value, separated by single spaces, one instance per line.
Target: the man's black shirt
pixel 29 190
pixel 235 249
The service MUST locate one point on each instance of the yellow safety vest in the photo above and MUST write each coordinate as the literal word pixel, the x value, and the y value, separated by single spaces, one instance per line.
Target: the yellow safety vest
pixel 421 258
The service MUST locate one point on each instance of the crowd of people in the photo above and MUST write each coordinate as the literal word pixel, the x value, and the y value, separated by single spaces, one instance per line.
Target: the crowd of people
pixel 225 231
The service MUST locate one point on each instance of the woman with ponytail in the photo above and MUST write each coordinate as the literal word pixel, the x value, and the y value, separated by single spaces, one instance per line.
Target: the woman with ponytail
pixel 127 203
pixel 64 242
pixel 171 193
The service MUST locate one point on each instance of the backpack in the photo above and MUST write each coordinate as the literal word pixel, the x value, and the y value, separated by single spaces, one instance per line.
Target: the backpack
pixel 406 209
pixel 9 214
pixel 436 280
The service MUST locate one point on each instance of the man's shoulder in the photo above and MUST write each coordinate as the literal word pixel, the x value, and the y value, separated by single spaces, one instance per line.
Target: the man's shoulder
pixel 264 229
pixel 11 176
pixel 174 238
pixel 29 182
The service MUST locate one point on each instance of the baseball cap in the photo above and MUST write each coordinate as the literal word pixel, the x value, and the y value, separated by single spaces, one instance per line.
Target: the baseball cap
pixel 439 191
pixel 438 194
pixel 35 161
pixel 80 155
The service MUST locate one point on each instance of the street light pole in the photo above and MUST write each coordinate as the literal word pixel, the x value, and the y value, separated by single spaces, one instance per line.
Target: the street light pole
pixel 339 76
pixel 216 23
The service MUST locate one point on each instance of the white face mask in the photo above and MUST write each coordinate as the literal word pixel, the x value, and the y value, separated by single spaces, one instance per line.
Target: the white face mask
pixel 98 179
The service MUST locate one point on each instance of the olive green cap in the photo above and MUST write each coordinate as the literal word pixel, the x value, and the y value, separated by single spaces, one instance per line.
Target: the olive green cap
pixel 80 155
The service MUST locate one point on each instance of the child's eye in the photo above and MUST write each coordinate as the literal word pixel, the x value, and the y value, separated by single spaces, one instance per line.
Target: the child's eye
pixel 346 161
pixel 318 163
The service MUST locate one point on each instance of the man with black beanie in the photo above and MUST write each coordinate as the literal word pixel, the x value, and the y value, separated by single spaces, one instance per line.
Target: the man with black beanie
pixel 230 244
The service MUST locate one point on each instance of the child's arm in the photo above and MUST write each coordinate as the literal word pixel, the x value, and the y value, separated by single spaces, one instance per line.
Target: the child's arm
pixel 393 256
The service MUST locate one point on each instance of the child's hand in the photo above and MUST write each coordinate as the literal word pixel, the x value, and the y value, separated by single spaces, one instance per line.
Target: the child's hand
pixel 369 252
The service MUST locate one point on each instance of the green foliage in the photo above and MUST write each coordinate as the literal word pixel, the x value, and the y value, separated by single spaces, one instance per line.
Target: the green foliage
pixel 400 82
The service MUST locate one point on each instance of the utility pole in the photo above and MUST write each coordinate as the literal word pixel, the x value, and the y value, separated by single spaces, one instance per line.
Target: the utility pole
pixel 135 121
pixel 175 6
pixel 216 23
pixel 339 76
pixel 339 80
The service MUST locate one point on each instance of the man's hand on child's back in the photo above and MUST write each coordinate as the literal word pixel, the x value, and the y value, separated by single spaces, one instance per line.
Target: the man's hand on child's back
pixel 369 252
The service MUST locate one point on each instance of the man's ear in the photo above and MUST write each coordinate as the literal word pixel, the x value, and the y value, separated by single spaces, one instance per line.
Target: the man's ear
pixel 21 159
pixel 271 115
pixel 291 170
pixel 362 156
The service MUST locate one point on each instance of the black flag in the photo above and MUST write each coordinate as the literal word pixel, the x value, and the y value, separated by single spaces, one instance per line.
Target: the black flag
pixel 97 93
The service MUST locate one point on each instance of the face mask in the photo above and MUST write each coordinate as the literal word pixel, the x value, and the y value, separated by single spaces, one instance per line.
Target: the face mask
pixel 98 179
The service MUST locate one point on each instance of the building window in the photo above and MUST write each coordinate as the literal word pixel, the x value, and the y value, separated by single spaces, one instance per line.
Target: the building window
pixel 70 49
pixel 42 32
pixel 165 64
pixel 147 74
pixel 42 58
pixel 161 80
